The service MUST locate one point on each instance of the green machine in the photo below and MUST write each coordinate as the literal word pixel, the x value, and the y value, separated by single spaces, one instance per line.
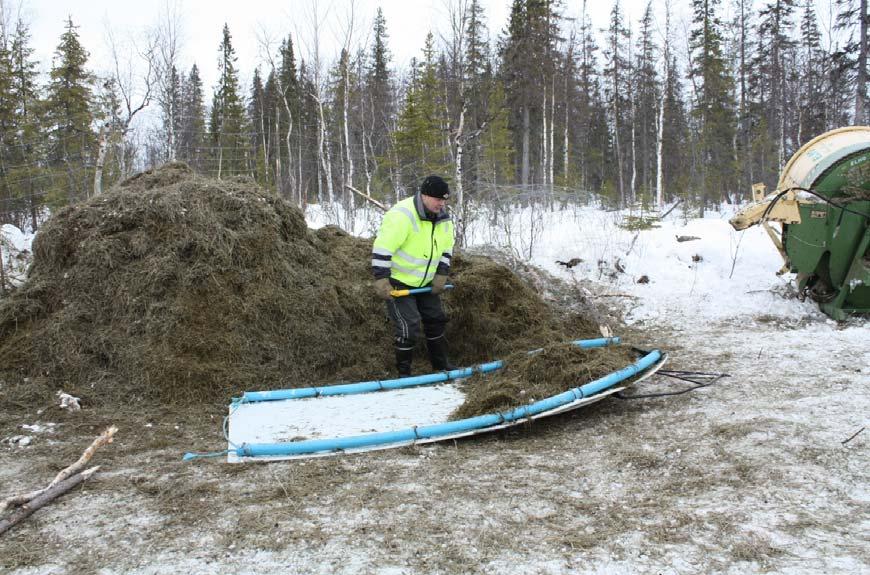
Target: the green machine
pixel 822 203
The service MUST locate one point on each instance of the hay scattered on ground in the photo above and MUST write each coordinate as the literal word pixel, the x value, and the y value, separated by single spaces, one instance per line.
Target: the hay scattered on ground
pixel 182 289
pixel 527 378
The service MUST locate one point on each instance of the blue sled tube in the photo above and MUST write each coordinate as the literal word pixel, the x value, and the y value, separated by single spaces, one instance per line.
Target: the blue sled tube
pixel 377 385
pixel 450 427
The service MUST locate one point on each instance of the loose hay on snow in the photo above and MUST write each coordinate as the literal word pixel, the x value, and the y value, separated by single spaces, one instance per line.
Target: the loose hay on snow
pixel 527 378
pixel 182 289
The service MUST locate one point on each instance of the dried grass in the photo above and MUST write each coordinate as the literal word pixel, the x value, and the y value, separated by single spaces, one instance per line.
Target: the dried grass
pixel 177 289
pixel 527 378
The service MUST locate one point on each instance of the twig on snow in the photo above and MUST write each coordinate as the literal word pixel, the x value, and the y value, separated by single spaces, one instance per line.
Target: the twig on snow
pixel 614 295
pixel 46 496
pixel 854 435
pixel 24 498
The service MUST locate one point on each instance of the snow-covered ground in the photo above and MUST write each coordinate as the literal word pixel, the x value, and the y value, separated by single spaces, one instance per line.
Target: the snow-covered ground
pixel 761 472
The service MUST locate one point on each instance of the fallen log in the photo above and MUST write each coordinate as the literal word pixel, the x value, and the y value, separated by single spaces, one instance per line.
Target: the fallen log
pixel 367 197
pixel 47 495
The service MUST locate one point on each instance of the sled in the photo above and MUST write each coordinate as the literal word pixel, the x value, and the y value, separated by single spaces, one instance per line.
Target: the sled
pixel 366 416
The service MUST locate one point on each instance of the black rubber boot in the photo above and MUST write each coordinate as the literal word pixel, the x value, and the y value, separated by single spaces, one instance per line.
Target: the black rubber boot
pixel 404 356
pixel 438 354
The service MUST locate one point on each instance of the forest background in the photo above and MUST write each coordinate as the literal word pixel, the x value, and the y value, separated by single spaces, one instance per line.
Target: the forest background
pixel 640 113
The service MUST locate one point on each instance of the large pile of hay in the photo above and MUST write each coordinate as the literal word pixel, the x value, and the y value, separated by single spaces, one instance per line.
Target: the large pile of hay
pixel 177 288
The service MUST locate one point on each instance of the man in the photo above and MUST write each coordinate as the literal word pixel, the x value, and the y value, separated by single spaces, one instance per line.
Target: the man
pixel 412 250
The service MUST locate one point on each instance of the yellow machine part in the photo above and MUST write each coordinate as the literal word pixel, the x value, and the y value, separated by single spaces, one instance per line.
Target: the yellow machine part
pixel 820 153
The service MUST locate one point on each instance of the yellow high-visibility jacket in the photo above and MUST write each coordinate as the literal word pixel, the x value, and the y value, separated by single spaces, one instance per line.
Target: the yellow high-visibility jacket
pixel 411 248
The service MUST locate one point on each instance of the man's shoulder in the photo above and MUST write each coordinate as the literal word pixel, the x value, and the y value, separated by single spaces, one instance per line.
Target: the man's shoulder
pixel 402 207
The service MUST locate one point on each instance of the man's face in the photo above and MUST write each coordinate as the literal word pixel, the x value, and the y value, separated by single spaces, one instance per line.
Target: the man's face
pixel 433 204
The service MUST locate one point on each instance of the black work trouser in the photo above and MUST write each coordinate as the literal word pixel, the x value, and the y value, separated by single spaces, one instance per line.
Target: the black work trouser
pixel 411 312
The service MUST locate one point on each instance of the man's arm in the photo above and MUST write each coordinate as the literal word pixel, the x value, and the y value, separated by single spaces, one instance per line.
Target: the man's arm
pixel 390 237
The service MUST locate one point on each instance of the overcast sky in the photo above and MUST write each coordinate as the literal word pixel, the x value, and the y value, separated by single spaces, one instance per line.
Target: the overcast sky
pixel 252 21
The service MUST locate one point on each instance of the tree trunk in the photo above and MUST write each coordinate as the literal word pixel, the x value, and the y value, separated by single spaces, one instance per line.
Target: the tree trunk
pixel 291 180
pixel 457 174
pixel 633 195
pixel 524 177
pixel 861 80
pixel 544 141
pixel 568 73
pixel 2 268
pixel 324 156
pixel 660 192
pixel 279 177
pixel 101 160
pixel 618 149
pixel 347 147
pixel 552 130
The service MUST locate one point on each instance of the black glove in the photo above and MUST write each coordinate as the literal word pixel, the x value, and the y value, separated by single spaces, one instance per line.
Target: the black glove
pixel 438 284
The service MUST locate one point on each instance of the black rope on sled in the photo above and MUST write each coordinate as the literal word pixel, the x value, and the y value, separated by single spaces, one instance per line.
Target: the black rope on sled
pixel 698 378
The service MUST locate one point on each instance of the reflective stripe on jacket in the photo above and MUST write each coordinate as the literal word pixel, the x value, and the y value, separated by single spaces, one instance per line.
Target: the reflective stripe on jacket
pixel 411 248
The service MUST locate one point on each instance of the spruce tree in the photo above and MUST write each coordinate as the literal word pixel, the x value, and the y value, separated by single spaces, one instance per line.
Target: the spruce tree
pixel 192 133
pixel 713 107
pixel 776 46
pixel 228 129
pixel 527 67
pixel 380 90
pixel 71 140
pixel 25 150
pixel 286 118
pixel 851 59
pixel 646 96
pixel 496 164
pixel 811 104
pixel 420 145
pixel 676 168
pixel 478 84
pixel 7 140
pixel 616 96
pixel 591 139
pixel 259 122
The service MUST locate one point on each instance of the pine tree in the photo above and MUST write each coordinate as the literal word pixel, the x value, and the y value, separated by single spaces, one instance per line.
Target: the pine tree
pixel 228 128
pixel 71 140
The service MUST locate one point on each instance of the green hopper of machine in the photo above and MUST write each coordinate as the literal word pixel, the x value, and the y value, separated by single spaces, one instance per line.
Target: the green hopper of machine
pixel 822 203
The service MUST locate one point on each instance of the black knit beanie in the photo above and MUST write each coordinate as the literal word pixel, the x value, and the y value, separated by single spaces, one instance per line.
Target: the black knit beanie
pixel 436 187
